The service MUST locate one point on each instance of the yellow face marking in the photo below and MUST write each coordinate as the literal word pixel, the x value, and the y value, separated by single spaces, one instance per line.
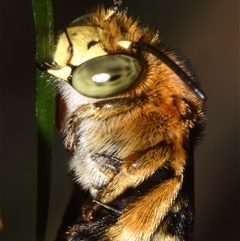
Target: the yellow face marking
pixel 80 37
pixel 62 73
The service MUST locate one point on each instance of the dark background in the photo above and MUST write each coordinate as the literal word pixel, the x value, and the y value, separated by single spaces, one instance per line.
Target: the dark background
pixel 206 32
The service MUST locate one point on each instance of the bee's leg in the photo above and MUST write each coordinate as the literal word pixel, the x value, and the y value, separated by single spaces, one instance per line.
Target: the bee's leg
pixel 141 165
pixel 143 216
pixel 90 208
pixel 109 165
pixel 98 109
pixel 69 132
pixel 108 207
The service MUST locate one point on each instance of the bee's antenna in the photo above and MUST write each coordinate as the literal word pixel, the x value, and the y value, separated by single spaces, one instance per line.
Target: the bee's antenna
pixel 171 64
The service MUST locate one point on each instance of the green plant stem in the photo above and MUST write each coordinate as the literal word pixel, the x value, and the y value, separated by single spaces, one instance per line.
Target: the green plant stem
pixel 45 107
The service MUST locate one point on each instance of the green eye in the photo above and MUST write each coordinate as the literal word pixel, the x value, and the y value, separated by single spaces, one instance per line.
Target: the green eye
pixel 106 75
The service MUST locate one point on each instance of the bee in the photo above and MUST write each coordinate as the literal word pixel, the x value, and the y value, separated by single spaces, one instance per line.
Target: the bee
pixel 131 112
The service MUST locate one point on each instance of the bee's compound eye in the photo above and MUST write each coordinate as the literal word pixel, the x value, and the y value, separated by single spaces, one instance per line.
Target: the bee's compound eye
pixel 106 75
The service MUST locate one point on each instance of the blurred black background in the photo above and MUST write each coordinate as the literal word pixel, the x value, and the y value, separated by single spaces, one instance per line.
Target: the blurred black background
pixel 207 32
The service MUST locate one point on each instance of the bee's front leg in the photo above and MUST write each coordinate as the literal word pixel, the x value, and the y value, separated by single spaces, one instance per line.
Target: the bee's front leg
pixel 109 166
pixel 70 133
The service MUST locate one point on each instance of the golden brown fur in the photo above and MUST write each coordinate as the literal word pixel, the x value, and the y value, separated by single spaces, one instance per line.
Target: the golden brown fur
pixel 149 128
